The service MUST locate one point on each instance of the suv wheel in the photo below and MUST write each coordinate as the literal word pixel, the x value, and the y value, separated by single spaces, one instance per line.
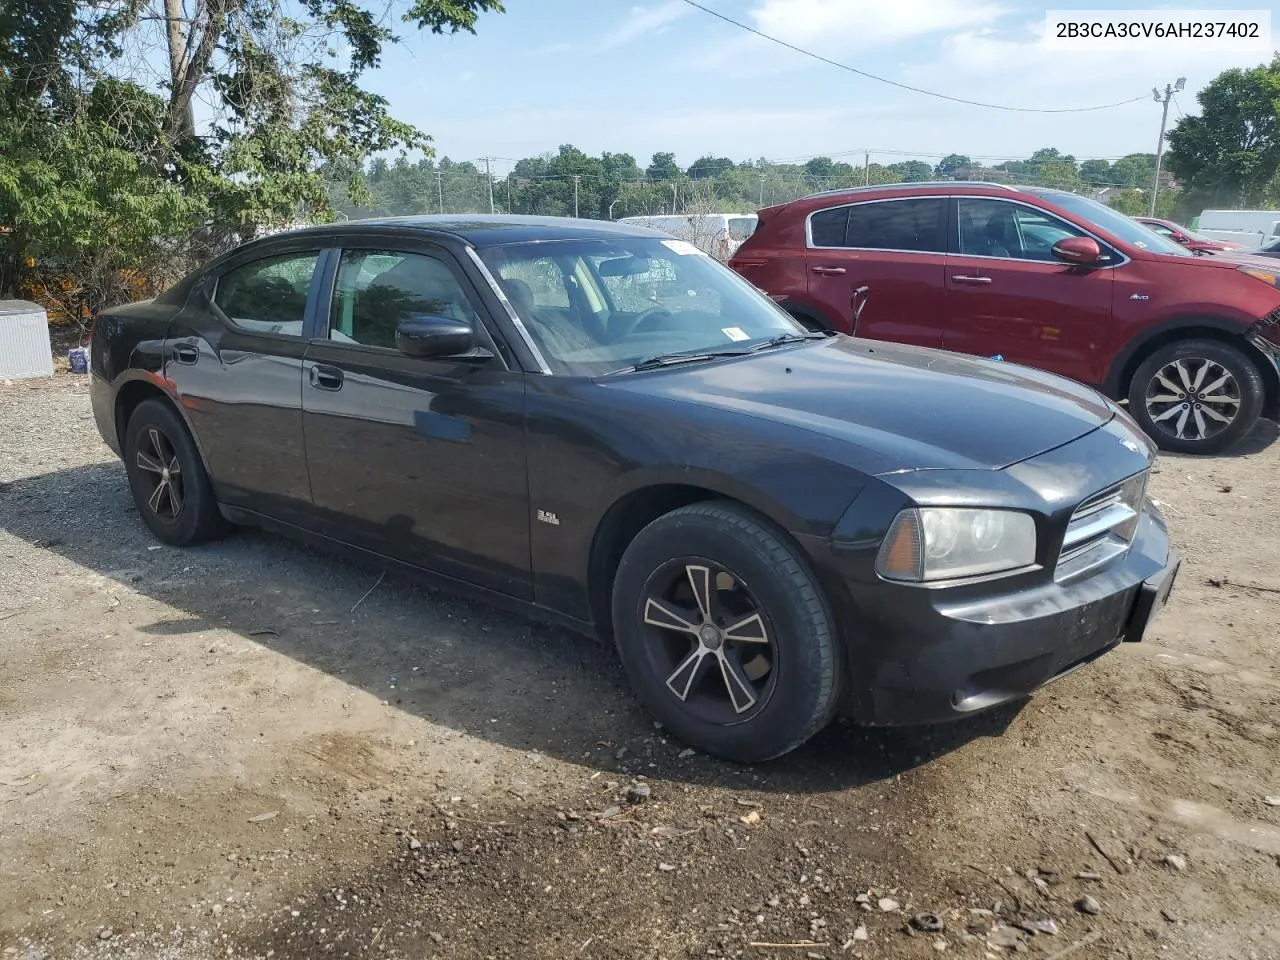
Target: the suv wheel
pixel 167 477
pixel 725 634
pixel 1196 396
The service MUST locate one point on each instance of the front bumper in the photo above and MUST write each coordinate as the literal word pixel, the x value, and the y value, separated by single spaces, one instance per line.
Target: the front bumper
pixel 947 659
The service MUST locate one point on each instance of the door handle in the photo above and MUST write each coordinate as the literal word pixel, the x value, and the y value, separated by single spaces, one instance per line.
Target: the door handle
pixel 326 377
pixel 185 353
pixel 829 271
pixel 961 278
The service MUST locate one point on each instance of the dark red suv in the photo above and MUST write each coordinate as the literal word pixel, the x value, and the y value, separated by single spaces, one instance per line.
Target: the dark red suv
pixel 1039 277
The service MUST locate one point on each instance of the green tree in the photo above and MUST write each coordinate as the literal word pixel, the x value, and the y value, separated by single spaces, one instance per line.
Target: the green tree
pixel 949 165
pixel 708 167
pixel 1134 170
pixel 662 167
pixel 1096 173
pixel 912 171
pixel 1230 154
pixel 78 94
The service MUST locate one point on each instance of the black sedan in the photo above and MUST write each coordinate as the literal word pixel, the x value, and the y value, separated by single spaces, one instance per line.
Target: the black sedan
pixel 605 427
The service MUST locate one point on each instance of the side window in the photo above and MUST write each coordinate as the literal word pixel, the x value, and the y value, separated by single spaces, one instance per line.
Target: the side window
pixel 827 227
pixel 1161 229
pixel 741 228
pixel 1040 231
pixel 376 289
pixel 915 224
pixel 268 296
pixel 996 228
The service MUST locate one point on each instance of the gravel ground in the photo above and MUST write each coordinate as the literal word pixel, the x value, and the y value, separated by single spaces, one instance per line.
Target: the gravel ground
pixel 221 752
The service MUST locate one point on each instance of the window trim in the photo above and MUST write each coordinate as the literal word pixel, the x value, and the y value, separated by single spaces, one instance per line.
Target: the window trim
pixel 309 309
pixel 319 333
pixel 808 225
pixel 955 234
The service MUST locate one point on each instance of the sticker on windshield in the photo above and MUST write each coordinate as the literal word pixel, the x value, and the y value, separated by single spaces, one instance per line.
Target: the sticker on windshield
pixel 734 333
pixel 682 247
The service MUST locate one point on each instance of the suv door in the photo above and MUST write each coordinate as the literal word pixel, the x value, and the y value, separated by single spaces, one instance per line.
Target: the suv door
pixel 235 359
pixel 888 255
pixel 422 459
pixel 1007 294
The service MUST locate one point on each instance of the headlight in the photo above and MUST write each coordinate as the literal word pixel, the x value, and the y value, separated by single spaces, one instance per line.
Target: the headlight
pixel 943 543
pixel 1269 277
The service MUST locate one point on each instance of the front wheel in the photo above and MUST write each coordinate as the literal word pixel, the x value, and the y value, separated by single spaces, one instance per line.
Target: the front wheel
pixel 725 634
pixel 1196 396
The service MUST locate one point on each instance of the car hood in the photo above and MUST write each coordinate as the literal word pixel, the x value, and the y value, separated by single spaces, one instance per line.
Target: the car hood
pixel 912 408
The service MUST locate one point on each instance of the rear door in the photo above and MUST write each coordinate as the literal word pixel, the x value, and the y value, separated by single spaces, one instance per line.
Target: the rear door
pixel 235 359
pixel 1007 294
pixel 886 256
pixel 422 459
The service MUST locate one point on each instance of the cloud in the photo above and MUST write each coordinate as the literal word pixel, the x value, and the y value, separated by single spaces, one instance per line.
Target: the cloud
pixel 851 26
pixel 642 21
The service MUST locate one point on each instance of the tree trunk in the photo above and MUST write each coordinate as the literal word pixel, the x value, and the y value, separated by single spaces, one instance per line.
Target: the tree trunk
pixel 184 116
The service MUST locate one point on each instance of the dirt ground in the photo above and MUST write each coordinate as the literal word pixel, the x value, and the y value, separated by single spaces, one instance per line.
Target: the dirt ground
pixel 240 751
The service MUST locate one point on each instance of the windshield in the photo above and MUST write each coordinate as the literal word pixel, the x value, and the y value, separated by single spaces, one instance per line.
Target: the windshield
pixel 1116 223
pixel 596 306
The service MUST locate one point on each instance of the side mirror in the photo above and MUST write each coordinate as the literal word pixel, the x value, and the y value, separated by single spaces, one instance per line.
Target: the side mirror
pixel 424 335
pixel 1081 251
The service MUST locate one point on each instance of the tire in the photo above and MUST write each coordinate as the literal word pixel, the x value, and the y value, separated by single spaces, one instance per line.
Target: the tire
pixel 758 688
pixel 1183 420
pixel 178 505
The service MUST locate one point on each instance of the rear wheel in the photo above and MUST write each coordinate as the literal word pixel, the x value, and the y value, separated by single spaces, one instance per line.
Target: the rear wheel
pixel 167 477
pixel 725 634
pixel 1196 396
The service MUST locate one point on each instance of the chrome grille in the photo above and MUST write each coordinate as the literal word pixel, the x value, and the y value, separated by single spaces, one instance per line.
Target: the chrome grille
pixel 1102 527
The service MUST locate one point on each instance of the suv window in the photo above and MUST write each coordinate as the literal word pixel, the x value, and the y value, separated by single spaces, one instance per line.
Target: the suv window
pixel 915 224
pixel 376 289
pixel 740 228
pixel 268 296
pixel 827 227
pixel 997 228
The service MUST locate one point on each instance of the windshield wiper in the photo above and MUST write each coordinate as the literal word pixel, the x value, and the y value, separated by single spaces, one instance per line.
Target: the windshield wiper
pixel 786 338
pixel 668 359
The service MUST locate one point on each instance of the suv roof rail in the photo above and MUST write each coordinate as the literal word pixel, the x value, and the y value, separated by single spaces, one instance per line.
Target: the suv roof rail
pixel 913 183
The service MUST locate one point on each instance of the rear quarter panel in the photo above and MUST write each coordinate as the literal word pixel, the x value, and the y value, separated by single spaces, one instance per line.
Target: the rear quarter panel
pixel 773 259
pixel 128 344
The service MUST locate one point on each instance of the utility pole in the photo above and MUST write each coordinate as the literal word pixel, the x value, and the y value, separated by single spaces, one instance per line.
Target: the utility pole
pixel 577 179
pixel 675 196
pixel 866 169
pixel 762 190
pixel 440 189
pixel 1169 91
pixel 488 175
pixel 510 206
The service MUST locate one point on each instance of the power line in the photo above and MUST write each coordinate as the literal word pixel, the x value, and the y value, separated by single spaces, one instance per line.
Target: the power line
pixel 899 85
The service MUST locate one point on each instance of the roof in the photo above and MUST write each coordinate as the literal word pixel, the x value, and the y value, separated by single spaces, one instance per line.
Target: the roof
pixel 488 229
pixel 930 185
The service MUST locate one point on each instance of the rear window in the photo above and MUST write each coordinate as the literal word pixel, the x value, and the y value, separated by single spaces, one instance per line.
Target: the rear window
pixel 740 228
pixel 915 224
pixel 827 227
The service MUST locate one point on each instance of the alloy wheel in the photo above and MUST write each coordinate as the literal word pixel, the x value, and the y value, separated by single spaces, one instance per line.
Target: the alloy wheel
pixel 158 461
pixel 710 640
pixel 1193 398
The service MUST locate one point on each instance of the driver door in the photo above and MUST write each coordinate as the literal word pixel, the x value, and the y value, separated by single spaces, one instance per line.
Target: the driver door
pixel 421 459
